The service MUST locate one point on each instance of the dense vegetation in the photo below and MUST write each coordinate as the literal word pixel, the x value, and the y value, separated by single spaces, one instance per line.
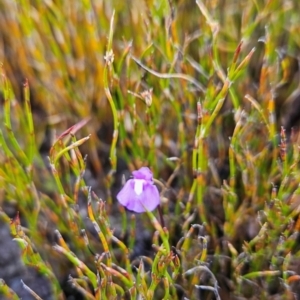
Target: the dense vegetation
pixel 205 94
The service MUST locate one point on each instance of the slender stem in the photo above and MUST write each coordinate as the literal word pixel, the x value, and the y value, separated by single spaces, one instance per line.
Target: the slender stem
pixel 162 222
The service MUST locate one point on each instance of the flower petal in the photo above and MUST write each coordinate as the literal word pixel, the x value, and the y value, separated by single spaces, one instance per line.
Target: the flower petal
pixel 136 205
pixel 143 173
pixel 126 193
pixel 150 197
pixel 138 185
pixel 139 194
pixel 128 197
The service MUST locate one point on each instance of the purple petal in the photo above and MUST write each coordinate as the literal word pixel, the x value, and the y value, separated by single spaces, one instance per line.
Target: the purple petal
pixel 149 198
pixel 136 205
pixel 126 193
pixel 143 173
pixel 128 198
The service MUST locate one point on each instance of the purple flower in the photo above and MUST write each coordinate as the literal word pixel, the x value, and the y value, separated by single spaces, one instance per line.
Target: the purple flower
pixel 139 193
